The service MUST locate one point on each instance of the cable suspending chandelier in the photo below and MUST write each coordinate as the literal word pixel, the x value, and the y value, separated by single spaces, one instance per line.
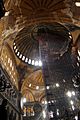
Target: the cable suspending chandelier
pixel 26 44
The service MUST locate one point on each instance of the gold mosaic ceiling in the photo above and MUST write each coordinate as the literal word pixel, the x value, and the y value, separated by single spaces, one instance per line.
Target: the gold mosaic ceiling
pixel 33 85
pixel 37 75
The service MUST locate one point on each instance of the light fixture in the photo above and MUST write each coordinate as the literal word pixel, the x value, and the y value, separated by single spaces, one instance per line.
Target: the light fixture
pixel 57 85
pixel 79 52
pixel 52 101
pixel 70 37
pixel 73 93
pixel 71 102
pixel 7 13
pixel 57 112
pixel 69 33
pixel 14 43
pixel 49 102
pixel 76 117
pixel 77 4
pixel 33 114
pixel 45 102
pixel 47 87
pixel 73 108
pixel 75 85
pixel 78 58
pixel 37 87
pixel 44 114
pixel 64 80
pixel 30 85
pixel 77 64
pixel 69 94
pixel 24 100
pixel 51 114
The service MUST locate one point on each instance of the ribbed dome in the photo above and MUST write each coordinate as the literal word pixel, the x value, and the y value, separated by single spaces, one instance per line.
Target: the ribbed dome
pixel 26 44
